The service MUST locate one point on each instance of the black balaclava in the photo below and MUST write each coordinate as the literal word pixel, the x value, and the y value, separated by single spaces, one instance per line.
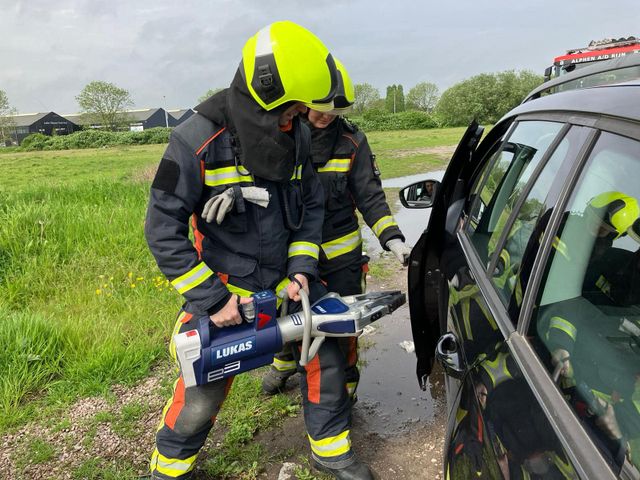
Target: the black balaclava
pixel 264 149
pixel 323 141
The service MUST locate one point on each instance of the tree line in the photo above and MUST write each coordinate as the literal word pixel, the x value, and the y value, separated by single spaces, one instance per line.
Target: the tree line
pixel 485 97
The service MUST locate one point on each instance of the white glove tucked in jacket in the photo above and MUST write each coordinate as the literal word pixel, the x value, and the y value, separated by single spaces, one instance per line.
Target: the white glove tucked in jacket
pixel 217 207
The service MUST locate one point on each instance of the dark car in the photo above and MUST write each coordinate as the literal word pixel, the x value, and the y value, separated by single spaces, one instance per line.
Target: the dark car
pixel 525 287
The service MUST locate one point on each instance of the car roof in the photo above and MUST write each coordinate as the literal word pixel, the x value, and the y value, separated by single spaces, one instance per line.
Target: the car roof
pixel 619 100
pixel 628 61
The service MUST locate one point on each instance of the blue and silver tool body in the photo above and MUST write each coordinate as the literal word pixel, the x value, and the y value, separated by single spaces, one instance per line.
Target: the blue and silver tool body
pixel 207 353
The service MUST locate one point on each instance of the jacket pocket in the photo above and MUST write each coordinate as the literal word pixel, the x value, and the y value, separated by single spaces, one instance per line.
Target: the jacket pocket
pixel 226 262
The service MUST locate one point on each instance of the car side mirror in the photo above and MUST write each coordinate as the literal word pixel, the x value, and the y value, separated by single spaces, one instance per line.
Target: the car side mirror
pixel 420 194
pixel 547 73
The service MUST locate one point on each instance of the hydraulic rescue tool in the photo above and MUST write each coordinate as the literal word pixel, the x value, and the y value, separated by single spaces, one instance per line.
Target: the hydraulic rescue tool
pixel 208 353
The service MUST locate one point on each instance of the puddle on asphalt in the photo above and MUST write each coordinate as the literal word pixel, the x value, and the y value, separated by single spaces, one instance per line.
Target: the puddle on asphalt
pixel 389 398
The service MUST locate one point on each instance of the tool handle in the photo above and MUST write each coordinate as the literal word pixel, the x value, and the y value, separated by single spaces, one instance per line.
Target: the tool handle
pixel 247 311
pixel 306 333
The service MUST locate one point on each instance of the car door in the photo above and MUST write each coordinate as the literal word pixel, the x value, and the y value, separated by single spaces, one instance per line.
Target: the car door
pixel 499 428
pixel 427 287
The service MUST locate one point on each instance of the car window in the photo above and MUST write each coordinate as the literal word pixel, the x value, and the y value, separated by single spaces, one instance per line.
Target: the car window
pixel 586 320
pixel 510 170
pixel 522 237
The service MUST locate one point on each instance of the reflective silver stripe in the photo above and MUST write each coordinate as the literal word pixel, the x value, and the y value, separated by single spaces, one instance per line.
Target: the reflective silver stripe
pixel 336 165
pixel 342 245
pixel 283 365
pixel 382 224
pixel 263 42
pixel 192 278
pixel 171 467
pixel 304 248
pixel 563 325
pixel 331 446
pixel 226 176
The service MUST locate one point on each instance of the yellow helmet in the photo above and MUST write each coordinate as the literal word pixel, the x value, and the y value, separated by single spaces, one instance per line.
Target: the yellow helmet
pixel 615 210
pixel 345 94
pixel 285 62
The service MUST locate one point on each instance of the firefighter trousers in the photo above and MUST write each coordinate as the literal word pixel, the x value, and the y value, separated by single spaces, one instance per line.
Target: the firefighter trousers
pixel 350 280
pixel 190 413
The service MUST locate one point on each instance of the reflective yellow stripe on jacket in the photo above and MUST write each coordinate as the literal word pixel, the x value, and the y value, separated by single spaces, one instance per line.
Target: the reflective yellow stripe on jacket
pixel 297 173
pixel 172 467
pixel 342 245
pixel 564 326
pixel 303 248
pixel 226 176
pixel 331 446
pixel 382 224
pixel 336 165
pixel 192 278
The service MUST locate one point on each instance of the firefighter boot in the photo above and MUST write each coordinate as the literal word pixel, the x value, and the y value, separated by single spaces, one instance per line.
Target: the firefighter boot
pixel 355 471
pixel 275 381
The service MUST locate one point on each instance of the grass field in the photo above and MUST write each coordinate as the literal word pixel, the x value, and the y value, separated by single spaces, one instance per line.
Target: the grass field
pixel 82 303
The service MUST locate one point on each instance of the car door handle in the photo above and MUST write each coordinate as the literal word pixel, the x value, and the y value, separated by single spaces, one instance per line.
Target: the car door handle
pixel 450 357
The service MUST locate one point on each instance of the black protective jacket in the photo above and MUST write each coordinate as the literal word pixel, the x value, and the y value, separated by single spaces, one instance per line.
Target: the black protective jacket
pixel 254 248
pixel 350 179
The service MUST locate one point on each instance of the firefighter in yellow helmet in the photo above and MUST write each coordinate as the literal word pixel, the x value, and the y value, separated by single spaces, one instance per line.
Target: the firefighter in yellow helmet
pixel 239 172
pixel 607 217
pixel 350 178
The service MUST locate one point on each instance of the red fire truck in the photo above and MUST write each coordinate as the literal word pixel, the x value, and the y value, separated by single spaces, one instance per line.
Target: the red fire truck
pixel 596 51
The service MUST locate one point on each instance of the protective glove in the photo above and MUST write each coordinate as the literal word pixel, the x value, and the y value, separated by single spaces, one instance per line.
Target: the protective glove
pixel 219 205
pixel 399 249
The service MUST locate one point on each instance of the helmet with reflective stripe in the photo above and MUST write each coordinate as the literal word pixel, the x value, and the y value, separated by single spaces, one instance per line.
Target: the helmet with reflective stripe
pixel 615 210
pixel 285 62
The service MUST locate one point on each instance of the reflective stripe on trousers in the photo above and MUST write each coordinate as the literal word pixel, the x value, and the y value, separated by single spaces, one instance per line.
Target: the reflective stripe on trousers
pixel 171 467
pixel 331 446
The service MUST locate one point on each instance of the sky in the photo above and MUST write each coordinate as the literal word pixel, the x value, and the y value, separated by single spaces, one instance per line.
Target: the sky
pixel 169 53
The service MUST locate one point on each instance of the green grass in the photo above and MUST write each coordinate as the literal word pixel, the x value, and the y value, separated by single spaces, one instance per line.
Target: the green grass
pixel 81 300
pixel 397 152
pixel 35 451
pixel 383 142
pixel 67 168
pixel 98 469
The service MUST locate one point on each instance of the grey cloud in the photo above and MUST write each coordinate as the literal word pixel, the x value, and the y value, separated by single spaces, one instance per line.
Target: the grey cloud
pixel 162 49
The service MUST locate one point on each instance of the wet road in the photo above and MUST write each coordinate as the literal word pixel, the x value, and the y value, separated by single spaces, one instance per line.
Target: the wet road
pixel 390 400
pixel 388 394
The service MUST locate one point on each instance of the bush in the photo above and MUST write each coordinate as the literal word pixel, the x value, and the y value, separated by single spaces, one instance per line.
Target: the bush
pixel 95 139
pixel 485 97
pixel 35 141
pixel 379 120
